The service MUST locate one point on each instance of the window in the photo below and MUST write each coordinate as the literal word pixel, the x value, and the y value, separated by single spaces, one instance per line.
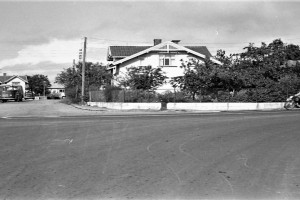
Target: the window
pixel 15 83
pixel 166 60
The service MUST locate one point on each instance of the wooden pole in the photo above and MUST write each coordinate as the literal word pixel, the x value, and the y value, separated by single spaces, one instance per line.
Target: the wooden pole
pixel 83 71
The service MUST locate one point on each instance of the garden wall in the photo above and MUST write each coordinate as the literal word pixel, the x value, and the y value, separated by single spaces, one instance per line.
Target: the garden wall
pixel 191 106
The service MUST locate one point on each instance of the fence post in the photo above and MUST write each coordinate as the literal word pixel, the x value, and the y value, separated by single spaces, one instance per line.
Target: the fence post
pixel 174 95
pixel 90 96
pixel 124 93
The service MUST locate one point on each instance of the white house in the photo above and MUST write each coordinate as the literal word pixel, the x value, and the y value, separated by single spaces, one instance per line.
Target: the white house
pixel 14 80
pixel 168 55
pixel 58 90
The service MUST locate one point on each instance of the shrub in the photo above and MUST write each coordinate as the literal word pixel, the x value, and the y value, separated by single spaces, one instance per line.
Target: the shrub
pixel 53 96
pixel 71 94
pixel 111 93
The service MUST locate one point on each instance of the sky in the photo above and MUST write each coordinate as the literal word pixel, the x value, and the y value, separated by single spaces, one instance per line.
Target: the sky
pixel 43 37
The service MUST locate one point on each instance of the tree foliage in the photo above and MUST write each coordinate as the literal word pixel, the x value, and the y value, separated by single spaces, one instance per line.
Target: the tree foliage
pixel 37 83
pixel 96 76
pixel 258 74
pixel 143 78
pixel 197 79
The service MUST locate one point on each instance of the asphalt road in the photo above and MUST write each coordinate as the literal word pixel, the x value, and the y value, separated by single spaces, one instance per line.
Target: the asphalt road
pixel 238 155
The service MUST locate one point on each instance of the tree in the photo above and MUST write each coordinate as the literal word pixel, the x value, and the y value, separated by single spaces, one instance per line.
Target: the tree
pixel 37 82
pixel 96 76
pixel 198 78
pixel 144 78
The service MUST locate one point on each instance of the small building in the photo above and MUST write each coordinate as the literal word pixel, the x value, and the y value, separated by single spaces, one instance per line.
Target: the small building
pixel 57 90
pixel 14 80
pixel 168 55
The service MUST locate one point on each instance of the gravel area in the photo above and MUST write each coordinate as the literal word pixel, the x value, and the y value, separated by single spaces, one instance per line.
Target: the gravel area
pixel 42 108
pixel 50 108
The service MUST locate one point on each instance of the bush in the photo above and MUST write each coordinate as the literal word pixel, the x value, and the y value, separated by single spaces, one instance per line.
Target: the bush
pixel 111 93
pixel 169 96
pixel 166 97
pixel 53 96
pixel 71 94
pixel 136 96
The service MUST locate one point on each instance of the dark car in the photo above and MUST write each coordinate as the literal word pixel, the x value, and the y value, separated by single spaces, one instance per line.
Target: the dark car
pixel 11 92
pixel 29 95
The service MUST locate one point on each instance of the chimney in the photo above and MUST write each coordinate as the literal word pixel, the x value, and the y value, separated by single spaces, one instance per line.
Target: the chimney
pixel 175 41
pixel 157 41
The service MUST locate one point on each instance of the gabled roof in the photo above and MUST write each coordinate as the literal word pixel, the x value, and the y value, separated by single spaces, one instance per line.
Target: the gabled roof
pixel 200 49
pixel 129 52
pixel 9 78
pixel 124 51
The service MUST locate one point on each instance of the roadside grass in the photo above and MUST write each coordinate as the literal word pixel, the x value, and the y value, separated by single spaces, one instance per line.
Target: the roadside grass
pixel 66 101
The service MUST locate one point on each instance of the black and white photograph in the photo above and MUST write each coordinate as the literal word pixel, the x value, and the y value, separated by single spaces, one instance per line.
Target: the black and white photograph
pixel 149 99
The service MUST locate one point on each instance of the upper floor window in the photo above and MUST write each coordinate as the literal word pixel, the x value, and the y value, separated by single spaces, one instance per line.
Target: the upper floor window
pixel 15 83
pixel 166 60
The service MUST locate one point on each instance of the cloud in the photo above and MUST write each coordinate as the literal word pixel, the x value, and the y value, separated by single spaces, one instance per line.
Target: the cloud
pixel 46 68
pixel 55 51
pixel 52 57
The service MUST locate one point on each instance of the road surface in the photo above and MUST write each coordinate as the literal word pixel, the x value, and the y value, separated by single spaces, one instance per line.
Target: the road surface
pixel 227 155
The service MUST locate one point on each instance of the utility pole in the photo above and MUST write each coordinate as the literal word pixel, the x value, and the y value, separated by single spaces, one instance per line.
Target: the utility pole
pixel 44 83
pixel 83 70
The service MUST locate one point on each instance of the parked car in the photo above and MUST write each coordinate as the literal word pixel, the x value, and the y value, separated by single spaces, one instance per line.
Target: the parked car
pixel 11 92
pixel 59 94
pixel 53 96
pixel 29 95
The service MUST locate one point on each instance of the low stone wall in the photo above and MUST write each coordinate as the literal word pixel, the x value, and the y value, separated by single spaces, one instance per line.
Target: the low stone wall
pixel 191 106
pixel 127 106
pixel 225 106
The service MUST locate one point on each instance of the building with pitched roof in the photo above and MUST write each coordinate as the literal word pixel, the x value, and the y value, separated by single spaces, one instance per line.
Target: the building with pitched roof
pixel 14 80
pixel 168 55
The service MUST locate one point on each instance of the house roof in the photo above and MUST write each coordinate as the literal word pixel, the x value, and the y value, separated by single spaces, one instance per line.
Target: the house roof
pixel 56 86
pixel 200 49
pixel 124 51
pixel 9 78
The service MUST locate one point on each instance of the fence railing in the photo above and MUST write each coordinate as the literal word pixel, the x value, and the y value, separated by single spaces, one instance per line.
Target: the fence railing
pixel 125 96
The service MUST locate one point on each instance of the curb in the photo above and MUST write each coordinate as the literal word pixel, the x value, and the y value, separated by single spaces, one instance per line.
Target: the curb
pixel 89 109
pixel 136 111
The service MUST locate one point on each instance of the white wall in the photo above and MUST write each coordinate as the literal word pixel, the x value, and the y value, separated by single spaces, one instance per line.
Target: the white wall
pixel 22 83
pixel 126 106
pixel 225 106
pixel 191 106
pixel 56 90
pixel 153 60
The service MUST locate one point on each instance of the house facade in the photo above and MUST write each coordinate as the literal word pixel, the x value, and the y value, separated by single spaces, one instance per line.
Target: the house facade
pixel 168 55
pixel 14 80
pixel 58 90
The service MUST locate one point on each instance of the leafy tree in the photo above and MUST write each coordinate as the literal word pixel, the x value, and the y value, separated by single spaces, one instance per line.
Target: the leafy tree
pixel 292 52
pixel 37 82
pixel 198 78
pixel 227 74
pixel 144 78
pixel 96 76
